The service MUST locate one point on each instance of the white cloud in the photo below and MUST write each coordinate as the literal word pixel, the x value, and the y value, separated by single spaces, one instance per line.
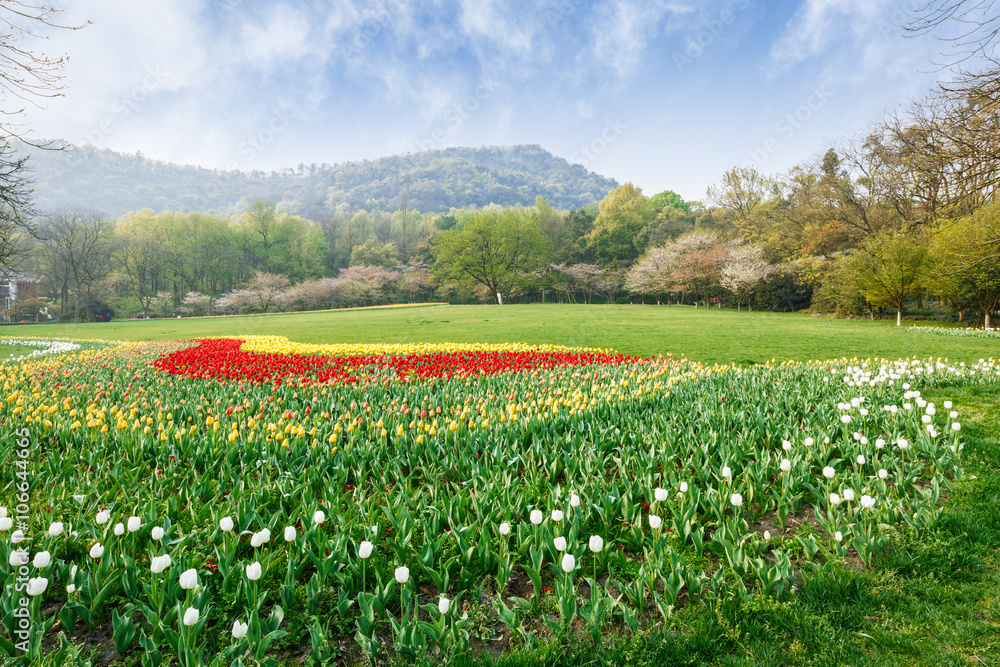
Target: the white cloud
pixel 622 30
pixel 284 36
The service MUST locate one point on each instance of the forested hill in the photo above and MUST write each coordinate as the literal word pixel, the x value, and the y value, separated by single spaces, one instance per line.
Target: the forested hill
pixel 437 180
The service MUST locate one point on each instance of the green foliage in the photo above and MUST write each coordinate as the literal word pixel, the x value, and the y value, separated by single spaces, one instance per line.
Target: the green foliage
pixel 614 238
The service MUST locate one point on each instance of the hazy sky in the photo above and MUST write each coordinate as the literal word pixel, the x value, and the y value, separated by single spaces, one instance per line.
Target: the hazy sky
pixel 667 95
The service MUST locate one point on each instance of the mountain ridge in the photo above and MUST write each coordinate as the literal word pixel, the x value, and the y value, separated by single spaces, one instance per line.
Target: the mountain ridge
pixel 436 181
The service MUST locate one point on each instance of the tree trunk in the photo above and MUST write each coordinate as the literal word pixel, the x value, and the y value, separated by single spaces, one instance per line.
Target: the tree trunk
pixel 739 306
pixel 987 319
pixel 899 318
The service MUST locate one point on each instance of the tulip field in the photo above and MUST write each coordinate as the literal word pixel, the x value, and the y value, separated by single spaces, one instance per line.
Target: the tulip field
pixel 253 500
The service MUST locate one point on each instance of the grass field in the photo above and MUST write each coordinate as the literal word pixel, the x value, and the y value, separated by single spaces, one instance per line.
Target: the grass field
pixel 931 599
pixel 715 336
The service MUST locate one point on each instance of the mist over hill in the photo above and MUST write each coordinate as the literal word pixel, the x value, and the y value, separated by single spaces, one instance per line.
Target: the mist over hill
pixel 435 181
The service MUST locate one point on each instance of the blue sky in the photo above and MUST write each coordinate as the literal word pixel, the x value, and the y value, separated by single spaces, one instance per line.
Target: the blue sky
pixel 666 94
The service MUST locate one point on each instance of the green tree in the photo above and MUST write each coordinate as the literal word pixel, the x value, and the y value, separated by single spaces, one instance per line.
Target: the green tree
pixel 888 267
pixel 621 217
pixel 671 199
pixel 493 248
pixel 965 260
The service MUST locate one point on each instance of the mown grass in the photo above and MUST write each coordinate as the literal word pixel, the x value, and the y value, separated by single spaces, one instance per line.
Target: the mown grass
pixel 715 336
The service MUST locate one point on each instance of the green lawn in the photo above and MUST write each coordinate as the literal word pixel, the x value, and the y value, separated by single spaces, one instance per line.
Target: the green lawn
pixel 716 336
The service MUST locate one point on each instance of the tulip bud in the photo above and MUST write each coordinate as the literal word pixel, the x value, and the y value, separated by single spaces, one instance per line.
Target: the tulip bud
pixel 189 579
pixel 557 515
pixel 103 517
pixel 191 616
pixel 55 529
pixel 654 521
pixel 883 473
pixel 786 465
pixel 684 487
pixel 134 523
pixel 226 524
pixel 838 536
pixel 6 523
pixel 18 557
pixel 443 605
pixel 559 543
pixel 119 529
pixel 736 499
pixel 70 589
pixel 240 629
pixel 829 472
pixel 37 586
pixel 834 499
pixel 96 551
pixel 402 574
pixel 660 495
pixel 17 536
pixel 290 533
pixel 568 563
pixel 253 571
pixel 365 549
pixel 505 528
pixel 861 459
pixel 536 517
pixel 42 559
pixel 319 517
pixel 727 472
pixel 596 543
pixel 157 533
pixel 848 494
pixel 767 536
pixel 574 500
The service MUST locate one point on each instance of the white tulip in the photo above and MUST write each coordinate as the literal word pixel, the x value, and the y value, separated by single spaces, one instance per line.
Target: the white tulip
pixel 134 524
pixel 947 405
pixel 536 517
pixel 660 495
pixel 37 586
pixel 654 521
pixel 159 564
pixel 809 442
pixel 402 574
pixel 319 516
pixel 596 543
pixel 955 426
pixel 736 499
pixel 902 443
pixel 559 543
pixel 240 629
pixel 786 465
pixel 727 473
pixel 684 487
pixel 365 549
pixel 849 494
pixel 505 528
pixel 289 533
pixel 861 459
pixel 767 536
pixel 880 443
pixel 253 571
pixel 834 499
pixel 226 524
pixel 568 563
pixel 557 515
pixel 829 472
pixel 883 473
pixel 574 500
pixel 70 589
pixel 191 616
pixel 17 536
pixel 97 550
pixel 867 502
pixel 189 579
pixel 119 529
pixel 3 510
pixel 18 557
pixel 103 517
pixel 6 523
pixel 443 605
pixel 42 559
pixel 785 445
pixel 838 536
pixel 55 529
pixel 157 533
